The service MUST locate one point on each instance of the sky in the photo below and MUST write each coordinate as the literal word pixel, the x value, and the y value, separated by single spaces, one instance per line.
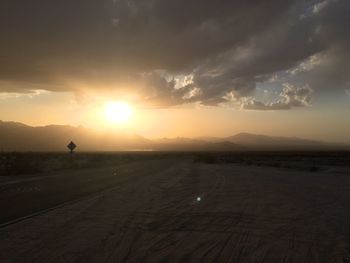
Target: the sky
pixel 186 68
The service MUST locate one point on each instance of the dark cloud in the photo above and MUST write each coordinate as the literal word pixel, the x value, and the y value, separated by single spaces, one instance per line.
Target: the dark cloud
pixel 149 47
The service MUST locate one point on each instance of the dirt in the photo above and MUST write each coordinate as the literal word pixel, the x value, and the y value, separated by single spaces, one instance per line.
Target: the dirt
pixel 195 212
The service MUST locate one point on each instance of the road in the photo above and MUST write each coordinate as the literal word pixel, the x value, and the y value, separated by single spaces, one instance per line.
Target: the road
pixel 23 197
pixel 180 211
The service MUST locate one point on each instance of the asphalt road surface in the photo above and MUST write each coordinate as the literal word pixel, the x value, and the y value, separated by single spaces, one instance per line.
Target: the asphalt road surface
pixel 179 211
pixel 20 198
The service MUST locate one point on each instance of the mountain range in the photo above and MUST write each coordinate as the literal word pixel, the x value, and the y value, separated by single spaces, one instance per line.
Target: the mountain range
pixel 19 137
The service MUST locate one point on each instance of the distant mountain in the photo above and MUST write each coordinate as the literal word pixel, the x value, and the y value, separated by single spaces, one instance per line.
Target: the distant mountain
pixel 257 140
pixel 188 144
pixel 19 137
pixel 16 136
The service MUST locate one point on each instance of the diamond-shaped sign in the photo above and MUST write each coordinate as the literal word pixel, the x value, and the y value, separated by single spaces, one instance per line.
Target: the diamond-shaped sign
pixel 71 146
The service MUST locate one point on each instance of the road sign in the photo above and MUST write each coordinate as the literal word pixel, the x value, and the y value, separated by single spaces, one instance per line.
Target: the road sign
pixel 71 146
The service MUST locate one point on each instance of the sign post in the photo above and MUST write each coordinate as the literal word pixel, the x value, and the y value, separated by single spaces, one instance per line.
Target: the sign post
pixel 71 146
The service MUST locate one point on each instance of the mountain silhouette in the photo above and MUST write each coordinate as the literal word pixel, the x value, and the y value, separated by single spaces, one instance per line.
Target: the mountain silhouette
pixel 16 136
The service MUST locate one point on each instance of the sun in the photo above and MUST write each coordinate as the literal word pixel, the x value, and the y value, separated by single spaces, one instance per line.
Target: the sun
pixel 117 111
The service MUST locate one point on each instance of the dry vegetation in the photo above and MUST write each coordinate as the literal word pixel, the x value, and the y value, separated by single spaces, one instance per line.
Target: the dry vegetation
pixel 13 164
pixel 297 160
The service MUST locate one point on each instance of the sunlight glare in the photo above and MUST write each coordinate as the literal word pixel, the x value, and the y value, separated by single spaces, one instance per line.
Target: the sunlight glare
pixel 117 111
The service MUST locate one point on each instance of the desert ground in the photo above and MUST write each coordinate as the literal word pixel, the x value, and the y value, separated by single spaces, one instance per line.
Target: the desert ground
pixel 179 209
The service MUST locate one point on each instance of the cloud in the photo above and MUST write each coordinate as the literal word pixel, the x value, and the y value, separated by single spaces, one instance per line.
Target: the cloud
pixel 290 97
pixel 149 48
pixel 319 6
